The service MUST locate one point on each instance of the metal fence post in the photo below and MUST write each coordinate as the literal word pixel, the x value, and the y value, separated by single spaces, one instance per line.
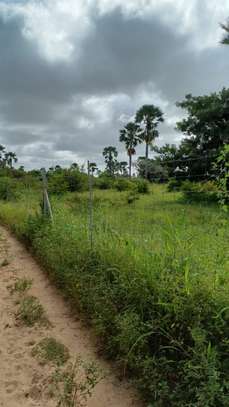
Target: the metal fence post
pixel 46 206
pixel 90 205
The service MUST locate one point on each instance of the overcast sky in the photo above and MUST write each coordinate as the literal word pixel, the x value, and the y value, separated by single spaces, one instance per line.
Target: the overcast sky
pixel 72 72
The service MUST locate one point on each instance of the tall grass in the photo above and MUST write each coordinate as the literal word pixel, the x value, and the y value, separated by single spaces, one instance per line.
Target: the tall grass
pixel 155 286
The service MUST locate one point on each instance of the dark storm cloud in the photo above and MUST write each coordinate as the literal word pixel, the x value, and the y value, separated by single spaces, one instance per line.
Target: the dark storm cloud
pixel 121 60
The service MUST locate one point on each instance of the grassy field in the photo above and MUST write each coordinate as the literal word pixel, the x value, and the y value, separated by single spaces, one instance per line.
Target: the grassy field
pixel 154 286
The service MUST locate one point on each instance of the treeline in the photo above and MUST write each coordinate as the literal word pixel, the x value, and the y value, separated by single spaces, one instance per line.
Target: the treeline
pixel 206 130
pixel 201 158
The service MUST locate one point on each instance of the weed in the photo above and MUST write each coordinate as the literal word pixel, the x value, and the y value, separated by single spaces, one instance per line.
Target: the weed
pixel 50 350
pixel 21 286
pixel 74 385
pixel 31 311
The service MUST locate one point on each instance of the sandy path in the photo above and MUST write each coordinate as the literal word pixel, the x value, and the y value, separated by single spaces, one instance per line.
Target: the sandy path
pixel 21 375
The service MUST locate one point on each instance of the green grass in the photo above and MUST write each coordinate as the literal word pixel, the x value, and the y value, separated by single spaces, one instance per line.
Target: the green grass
pixel 21 286
pixel 31 312
pixel 155 285
pixel 50 350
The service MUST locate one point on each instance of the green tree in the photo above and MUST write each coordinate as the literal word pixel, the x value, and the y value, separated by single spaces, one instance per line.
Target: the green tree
pixel 225 39
pixel 2 156
pixel 110 155
pixel 207 130
pixel 168 157
pixel 123 168
pixel 129 135
pixel 10 158
pixel 155 171
pixel 222 167
pixel 93 167
pixel 74 166
pixel 148 118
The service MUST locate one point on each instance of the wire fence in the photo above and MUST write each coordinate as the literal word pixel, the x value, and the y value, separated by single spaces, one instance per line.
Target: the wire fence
pixel 93 221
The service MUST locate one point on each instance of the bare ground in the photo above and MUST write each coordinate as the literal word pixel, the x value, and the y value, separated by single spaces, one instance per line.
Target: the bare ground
pixel 22 378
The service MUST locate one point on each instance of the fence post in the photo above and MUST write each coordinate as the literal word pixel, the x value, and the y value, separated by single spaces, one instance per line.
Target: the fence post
pixel 90 204
pixel 46 206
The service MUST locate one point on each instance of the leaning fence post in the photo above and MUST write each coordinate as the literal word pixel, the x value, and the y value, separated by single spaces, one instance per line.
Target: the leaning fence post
pixel 46 206
pixel 90 205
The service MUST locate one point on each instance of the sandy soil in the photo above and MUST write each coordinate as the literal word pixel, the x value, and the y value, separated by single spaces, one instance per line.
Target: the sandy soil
pixel 22 378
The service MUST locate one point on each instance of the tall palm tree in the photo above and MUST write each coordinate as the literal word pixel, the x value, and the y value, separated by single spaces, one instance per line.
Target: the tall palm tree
pixel 110 154
pixel 148 117
pixel 130 136
pixel 225 39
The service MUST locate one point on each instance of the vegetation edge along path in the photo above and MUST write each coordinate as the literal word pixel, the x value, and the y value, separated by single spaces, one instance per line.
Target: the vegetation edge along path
pixel 24 383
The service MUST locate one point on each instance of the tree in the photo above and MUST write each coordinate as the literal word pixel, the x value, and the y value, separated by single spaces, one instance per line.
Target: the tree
pixel 129 135
pixel 93 167
pixel 2 152
pixel 10 158
pixel 168 157
pixel 225 39
pixel 148 117
pixel 207 130
pixel 110 154
pixel 222 167
pixel 155 171
pixel 123 168
pixel 74 167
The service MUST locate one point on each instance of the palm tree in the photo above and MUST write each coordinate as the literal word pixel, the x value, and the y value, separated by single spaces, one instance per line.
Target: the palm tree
pixel 123 168
pixel 74 167
pixel 225 39
pixel 110 154
pixel 93 167
pixel 148 117
pixel 2 157
pixel 130 136
pixel 10 158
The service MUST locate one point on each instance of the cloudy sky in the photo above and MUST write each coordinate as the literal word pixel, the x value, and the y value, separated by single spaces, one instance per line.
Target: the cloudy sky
pixel 72 72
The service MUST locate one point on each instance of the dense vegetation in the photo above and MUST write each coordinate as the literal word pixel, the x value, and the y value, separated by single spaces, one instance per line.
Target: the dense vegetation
pixel 154 285
pixel 153 276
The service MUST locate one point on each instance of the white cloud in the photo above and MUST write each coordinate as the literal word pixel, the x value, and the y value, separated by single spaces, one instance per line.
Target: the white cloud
pixel 58 26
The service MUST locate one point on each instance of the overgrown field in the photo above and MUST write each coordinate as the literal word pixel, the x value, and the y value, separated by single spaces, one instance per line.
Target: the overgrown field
pixel 154 285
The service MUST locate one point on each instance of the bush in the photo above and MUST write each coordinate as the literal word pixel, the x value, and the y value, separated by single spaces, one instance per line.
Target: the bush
pixel 222 166
pixel 174 184
pixel 8 189
pixel 63 181
pixel 123 184
pixel 142 186
pixel 200 191
pixel 104 182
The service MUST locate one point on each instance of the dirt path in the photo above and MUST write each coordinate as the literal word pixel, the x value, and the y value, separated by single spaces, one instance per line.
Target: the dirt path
pixel 21 376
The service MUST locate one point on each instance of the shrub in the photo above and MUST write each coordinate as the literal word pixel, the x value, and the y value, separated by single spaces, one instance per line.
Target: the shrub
pixel 62 181
pixel 174 184
pixel 104 182
pixel 31 311
pixel 8 189
pixel 222 166
pixel 142 186
pixel 50 350
pixel 200 191
pixel 57 183
pixel 76 181
pixel 123 184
